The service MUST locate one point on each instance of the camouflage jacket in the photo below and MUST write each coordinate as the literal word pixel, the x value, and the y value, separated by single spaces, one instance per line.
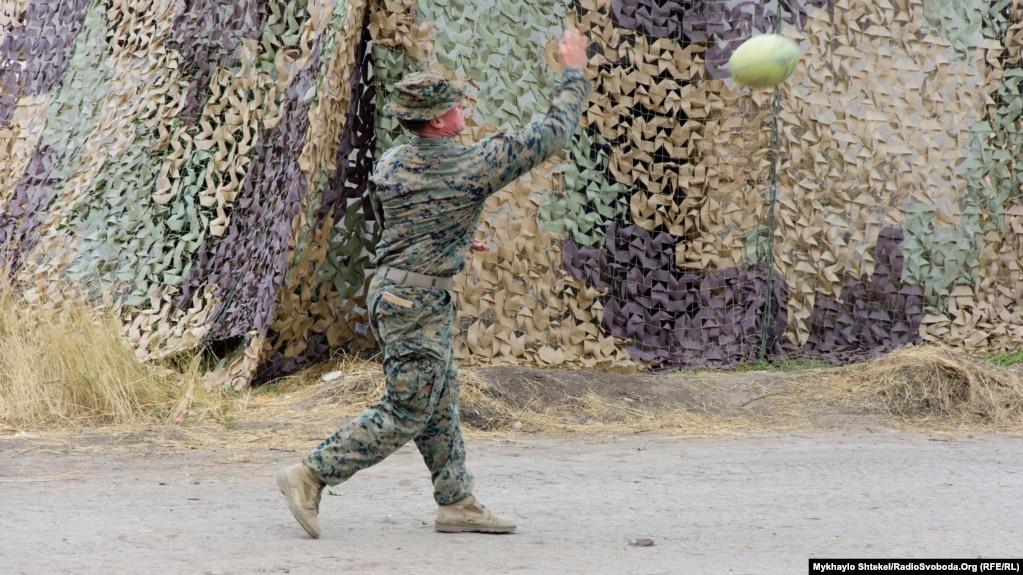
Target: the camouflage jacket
pixel 429 193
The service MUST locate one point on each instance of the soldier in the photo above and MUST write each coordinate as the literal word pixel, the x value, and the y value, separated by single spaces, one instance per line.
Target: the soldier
pixel 429 195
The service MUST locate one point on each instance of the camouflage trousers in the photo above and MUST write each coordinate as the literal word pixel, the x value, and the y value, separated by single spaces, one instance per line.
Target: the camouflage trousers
pixel 421 399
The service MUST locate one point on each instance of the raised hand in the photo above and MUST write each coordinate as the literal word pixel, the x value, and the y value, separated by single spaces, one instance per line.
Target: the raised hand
pixel 572 49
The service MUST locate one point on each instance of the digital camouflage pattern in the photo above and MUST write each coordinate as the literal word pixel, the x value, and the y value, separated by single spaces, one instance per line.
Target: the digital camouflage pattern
pixel 421 402
pixel 428 226
pixel 430 193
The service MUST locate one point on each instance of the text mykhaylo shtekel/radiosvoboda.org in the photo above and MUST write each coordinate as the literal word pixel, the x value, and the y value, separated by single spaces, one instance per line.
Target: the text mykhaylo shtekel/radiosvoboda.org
pixel 932 565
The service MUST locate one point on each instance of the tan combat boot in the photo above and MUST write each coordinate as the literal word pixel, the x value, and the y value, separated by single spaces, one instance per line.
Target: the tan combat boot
pixel 470 515
pixel 302 487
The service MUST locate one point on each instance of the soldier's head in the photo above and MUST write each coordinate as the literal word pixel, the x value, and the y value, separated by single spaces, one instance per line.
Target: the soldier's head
pixel 428 104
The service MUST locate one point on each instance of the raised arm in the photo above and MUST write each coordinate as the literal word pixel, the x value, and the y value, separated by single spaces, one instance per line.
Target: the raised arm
pixel 512 154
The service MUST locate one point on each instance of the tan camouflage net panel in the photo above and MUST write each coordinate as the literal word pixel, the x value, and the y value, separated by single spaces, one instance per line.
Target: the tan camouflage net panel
pixel 877 122
pixel 204 164
pixel 984 314
pixel 870 223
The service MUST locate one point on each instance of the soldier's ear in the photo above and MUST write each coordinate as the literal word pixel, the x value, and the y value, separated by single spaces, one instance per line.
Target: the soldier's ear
pixel 437 122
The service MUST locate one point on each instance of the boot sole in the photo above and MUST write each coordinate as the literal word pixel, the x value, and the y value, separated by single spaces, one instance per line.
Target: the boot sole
pixel 282 484
pixel 473 529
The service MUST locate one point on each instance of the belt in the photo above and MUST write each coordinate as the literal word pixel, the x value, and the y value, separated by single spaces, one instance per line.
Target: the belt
pixel 414 279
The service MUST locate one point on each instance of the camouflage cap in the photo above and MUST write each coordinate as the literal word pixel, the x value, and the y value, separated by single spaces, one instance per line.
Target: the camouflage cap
pixel 424 96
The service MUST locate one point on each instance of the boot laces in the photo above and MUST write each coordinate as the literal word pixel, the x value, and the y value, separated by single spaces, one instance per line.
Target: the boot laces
pixel 317 492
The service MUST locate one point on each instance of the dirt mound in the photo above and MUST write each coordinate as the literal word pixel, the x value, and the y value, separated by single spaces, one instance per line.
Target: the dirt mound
pixel 933 387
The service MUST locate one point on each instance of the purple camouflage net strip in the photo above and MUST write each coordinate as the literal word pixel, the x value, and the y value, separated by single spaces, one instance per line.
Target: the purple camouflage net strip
pixel 354 162
pixel 34 56
pixel 354 157
pixel 208 33
pixel 673 317
pixel 871 316
pixel 22 217
pixel 248 264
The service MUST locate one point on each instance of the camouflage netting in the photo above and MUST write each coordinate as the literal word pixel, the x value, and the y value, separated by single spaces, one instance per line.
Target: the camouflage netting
pixel 205 163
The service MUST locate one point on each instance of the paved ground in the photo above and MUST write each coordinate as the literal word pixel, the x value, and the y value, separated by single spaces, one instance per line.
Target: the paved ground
pixel 640 505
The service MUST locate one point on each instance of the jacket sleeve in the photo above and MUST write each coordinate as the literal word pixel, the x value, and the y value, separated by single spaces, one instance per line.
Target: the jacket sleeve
pixel 509 155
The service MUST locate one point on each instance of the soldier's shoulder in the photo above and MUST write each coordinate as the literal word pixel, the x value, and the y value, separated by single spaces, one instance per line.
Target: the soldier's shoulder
pixel 496 138
pixel 395 152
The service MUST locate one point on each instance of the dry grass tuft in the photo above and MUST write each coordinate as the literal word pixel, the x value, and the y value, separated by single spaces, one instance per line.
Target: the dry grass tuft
pixel 302 408
pixel 66 364
pixel 939 383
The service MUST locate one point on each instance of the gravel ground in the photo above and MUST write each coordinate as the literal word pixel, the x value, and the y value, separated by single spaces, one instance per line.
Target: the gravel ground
pixel 638 504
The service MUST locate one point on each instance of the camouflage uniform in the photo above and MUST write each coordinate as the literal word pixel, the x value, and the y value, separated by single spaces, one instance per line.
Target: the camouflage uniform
pixel 429 195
